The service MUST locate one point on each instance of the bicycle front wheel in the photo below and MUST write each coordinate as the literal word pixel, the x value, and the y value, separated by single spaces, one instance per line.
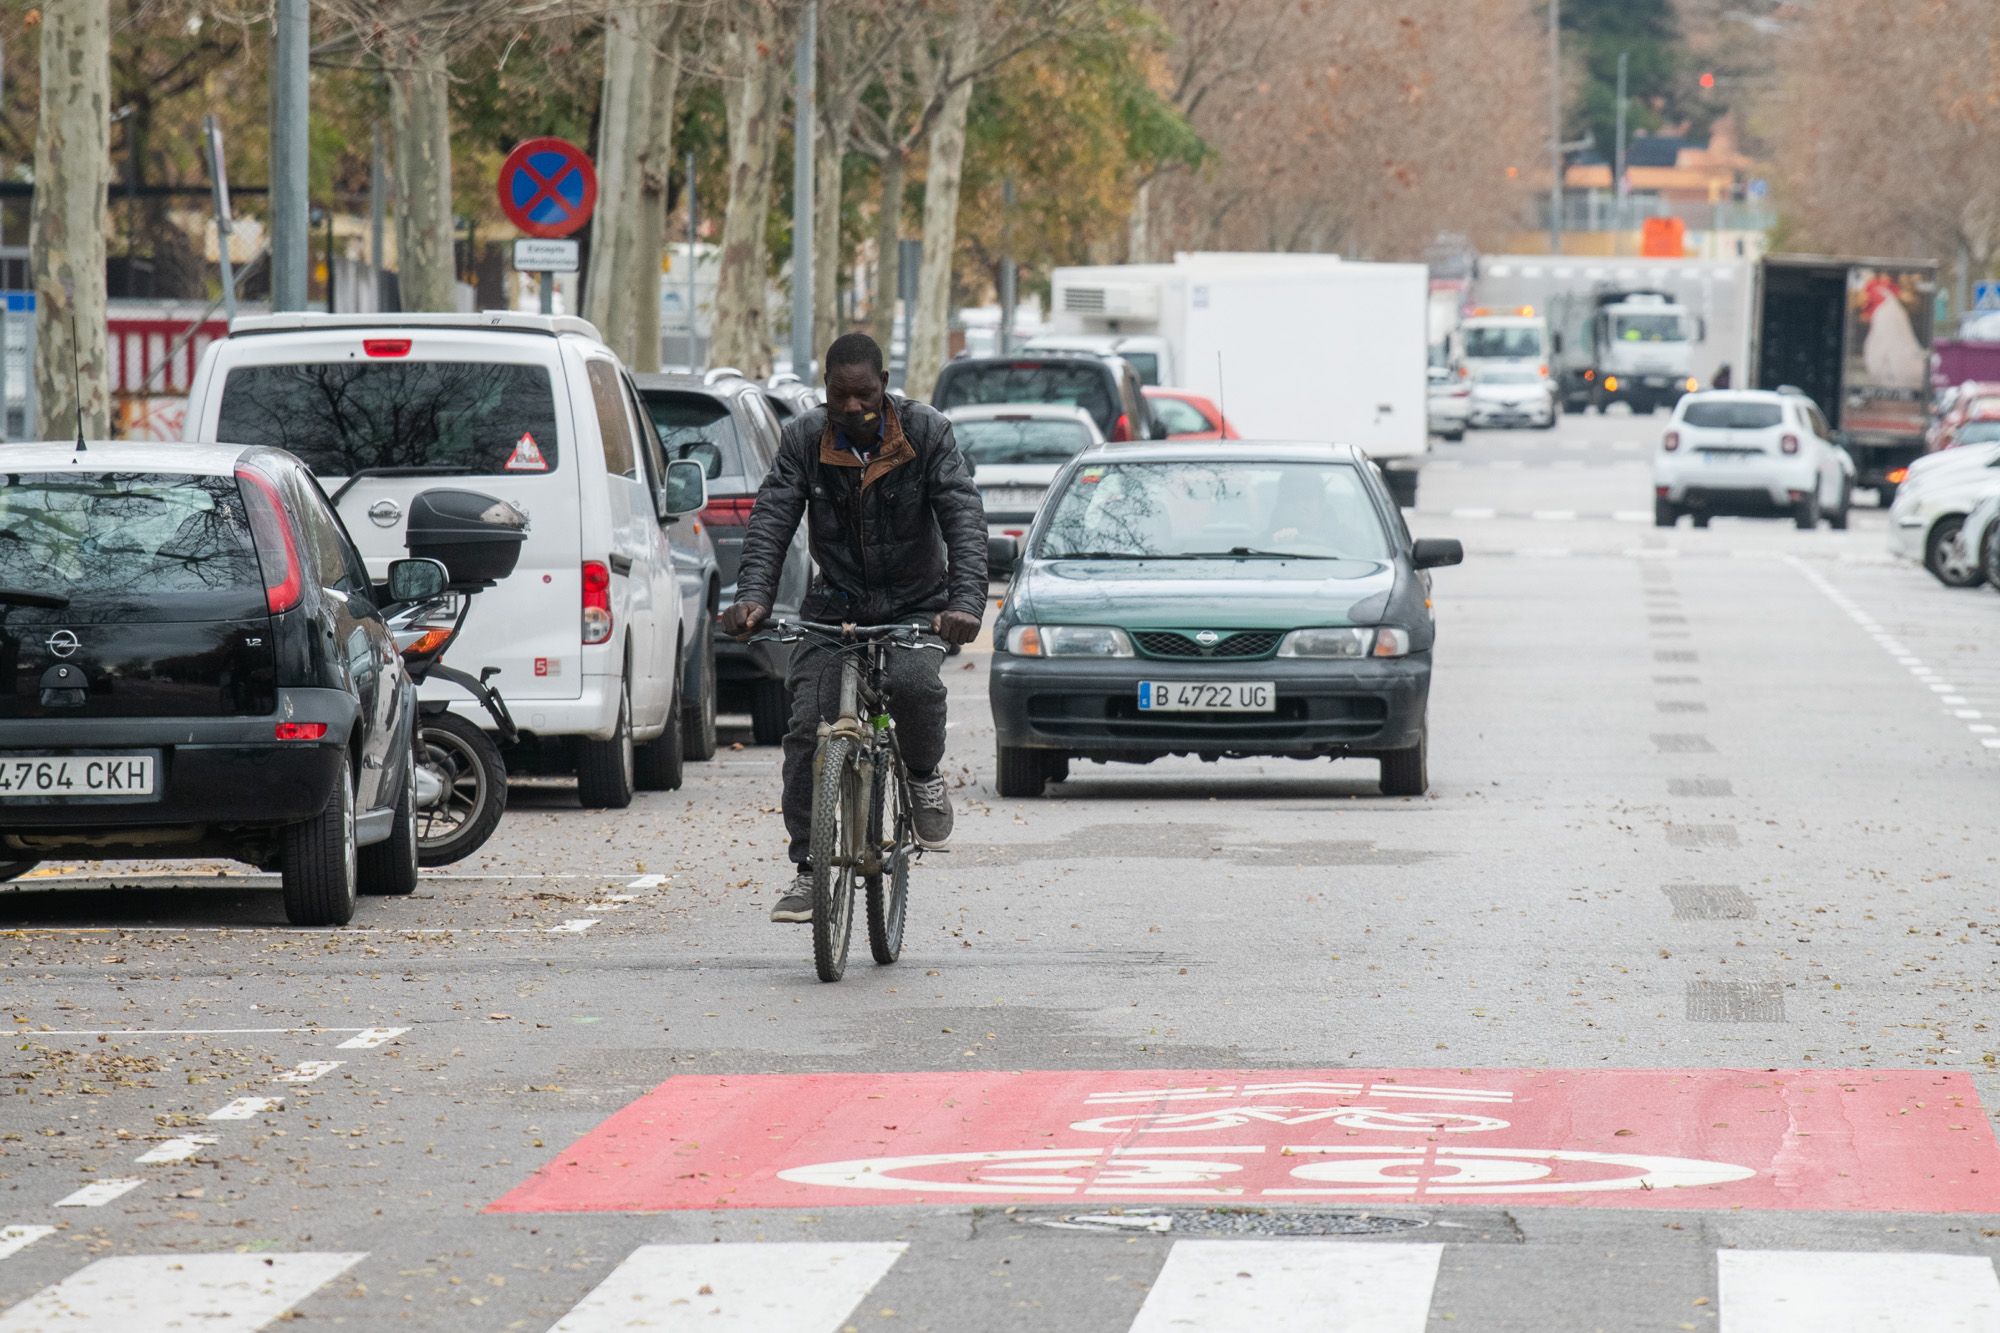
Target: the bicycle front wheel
pixel 888 893
pixel 837 819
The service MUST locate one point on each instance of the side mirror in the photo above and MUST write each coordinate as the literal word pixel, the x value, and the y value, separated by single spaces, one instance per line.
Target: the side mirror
pixel 417 580
pixel 1431 552
pixel 1159 429
pixel 685 491
pixel 1002 553
pixel 1555 342
pixel 1701 328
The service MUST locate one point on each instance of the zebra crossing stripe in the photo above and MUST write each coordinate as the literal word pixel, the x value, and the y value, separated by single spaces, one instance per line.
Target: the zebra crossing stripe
pixel 1825 1291
pixel 15 1239
pixel 780 1287
pixel 217 1293
pixel 1290 1286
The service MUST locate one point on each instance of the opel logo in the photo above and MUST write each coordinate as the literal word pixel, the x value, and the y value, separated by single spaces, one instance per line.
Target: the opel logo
pixel 1208 638
pixel 384 513
pixel 64 643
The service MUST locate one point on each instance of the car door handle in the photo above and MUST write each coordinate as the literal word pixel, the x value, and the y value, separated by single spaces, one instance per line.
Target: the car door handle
pixel 621 564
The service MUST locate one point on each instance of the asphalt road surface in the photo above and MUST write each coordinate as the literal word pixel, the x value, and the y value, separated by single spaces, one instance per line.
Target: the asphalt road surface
pixel 1671 1007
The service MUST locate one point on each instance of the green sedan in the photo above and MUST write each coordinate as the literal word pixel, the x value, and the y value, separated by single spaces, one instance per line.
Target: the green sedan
pixel 1222 600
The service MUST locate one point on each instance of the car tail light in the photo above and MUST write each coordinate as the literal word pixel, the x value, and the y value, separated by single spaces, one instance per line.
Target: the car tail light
pixel 1789 443
pixel 733 513
pixel 1544 371
pixel 277 547
pixel 386 346
pixel 1589 375
pixel 1121 430
pixel 1671 441
pixel 301 731
pixel 1898 476
pixel 596 601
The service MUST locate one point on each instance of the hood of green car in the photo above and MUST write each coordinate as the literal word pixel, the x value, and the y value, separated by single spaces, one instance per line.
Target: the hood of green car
pixel 1210 593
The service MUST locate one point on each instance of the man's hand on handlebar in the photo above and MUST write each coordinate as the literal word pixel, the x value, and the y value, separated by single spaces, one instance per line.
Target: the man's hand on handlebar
pixel 955 627
pixel 741 619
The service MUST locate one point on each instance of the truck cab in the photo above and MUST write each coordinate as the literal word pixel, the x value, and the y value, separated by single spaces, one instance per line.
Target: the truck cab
pixel 1488 341
pixel 1643 345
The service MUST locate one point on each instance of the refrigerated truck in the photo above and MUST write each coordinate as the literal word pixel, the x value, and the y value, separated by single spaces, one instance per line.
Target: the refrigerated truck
pixel 1291 347
pixel 1854 335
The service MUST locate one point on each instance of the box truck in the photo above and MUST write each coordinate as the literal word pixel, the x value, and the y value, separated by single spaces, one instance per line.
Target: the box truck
pixel 1854 335
pixel 1292 347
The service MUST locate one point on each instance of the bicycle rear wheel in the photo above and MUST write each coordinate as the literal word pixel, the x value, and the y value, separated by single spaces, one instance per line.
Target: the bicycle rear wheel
pixel 888 893
pixel 836 818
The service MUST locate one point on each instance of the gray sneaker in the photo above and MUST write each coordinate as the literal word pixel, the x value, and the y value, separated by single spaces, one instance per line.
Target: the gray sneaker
pixel 797 904
pixel 930 810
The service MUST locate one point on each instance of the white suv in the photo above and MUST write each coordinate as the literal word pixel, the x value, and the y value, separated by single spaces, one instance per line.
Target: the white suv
pixel 1750 451
pixel 606 615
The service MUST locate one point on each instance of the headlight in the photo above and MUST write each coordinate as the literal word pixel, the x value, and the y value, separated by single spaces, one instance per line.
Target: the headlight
pixel 1387 641
pixel 1068 641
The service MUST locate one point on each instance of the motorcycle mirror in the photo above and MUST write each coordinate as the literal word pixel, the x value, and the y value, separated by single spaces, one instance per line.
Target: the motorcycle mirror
pixel 417 580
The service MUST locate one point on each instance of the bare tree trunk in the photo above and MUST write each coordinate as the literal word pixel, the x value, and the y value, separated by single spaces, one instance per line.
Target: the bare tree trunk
pixel 755 98
pixel 66 234
pixel 888 239
pixel 420 122
pixel 930 328
pixel 656 168
pixel 625 129
pixel 830 155
pixel 1139 228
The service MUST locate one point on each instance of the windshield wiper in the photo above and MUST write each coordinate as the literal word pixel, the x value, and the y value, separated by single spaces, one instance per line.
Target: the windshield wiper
pixel 47 601
pixel 368 472
pixel 1252 552
pixel 1102 555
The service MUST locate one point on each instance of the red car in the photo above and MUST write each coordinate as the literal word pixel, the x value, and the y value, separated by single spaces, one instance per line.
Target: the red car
pixel 1975 400
pixel 1189 416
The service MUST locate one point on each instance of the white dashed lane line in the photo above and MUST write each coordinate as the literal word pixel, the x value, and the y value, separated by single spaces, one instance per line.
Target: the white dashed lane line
pixel 370 1038
pixel 176 1150
pixel 15 1239
pixel 246 1108
pixel 100 1192
pixel 308 1071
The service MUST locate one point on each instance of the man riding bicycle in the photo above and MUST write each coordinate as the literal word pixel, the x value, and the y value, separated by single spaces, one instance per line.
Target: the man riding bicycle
pixel 898 535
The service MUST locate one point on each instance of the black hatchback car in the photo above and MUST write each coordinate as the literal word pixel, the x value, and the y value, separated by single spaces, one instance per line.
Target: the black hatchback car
pixel 193 662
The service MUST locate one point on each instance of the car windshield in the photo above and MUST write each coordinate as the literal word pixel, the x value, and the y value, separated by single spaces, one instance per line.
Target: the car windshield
pixel 137 545
pixel 485 417
pixel 695 426
pixel 1649 328
pixel 1074 381
pixel 1021 440
pixel 1192 509
pixel 1732 414
pixel 1515 341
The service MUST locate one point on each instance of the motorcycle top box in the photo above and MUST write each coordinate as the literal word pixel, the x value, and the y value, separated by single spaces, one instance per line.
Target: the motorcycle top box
pixel 477 537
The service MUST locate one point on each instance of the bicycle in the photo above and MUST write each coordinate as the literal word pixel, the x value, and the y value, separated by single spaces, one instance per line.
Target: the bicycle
pixel 857 767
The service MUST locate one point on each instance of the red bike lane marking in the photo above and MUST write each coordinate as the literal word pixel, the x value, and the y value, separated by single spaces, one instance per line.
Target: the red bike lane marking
pixel 1855 1140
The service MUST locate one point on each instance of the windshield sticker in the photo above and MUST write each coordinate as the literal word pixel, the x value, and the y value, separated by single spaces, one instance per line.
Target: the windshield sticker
pixel 1091 474
pixel 527 455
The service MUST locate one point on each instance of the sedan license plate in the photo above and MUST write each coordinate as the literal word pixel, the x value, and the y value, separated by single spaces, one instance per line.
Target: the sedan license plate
pixel 40 776
pixel 1190 696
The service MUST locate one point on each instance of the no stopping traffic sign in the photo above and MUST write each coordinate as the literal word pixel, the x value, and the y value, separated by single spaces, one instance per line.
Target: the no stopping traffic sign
pixel 547 187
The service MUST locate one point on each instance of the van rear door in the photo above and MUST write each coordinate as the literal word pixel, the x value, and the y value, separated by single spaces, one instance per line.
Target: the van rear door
pixel 421 409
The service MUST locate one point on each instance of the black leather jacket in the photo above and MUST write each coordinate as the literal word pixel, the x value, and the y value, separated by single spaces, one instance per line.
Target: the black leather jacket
pixel 901 537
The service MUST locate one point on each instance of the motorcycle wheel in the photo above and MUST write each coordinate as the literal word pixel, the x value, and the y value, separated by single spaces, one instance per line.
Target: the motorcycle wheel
pixel 465 759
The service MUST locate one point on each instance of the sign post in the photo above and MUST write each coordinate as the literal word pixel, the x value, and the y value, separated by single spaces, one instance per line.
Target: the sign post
pixel 548 188
pixel 218 176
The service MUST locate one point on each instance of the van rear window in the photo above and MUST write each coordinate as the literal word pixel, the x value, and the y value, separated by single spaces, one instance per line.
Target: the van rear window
pixel 128 545
pixel 487 418
pixel 1074 381
pixel 1733 414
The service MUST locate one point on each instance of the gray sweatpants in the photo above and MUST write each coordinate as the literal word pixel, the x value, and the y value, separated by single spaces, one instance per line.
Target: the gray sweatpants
pixel 916 702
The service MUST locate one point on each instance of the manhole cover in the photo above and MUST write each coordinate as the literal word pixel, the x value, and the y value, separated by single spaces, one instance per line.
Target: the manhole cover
pixel 1236 1222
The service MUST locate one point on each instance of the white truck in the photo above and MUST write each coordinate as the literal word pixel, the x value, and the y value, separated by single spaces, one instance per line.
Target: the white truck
pixel 1290 347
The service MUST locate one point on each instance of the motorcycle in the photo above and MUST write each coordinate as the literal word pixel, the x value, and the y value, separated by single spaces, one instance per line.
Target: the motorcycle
pixel 461 777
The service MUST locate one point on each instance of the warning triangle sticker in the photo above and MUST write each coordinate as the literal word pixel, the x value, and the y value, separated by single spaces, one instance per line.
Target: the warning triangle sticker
pixel 527 456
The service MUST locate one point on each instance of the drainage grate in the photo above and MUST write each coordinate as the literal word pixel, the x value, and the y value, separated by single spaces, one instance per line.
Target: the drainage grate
pixel 1235 1222
pixel 1699 787
pixel 1735 1002
pixel 1682 744
pixel 1709 902
pixel 1702 835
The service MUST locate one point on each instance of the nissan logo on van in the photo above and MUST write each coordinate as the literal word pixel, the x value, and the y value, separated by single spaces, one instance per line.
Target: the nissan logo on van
pixel 384 513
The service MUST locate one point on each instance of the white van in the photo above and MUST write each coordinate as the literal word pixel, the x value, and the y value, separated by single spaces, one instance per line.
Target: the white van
pixel 605 622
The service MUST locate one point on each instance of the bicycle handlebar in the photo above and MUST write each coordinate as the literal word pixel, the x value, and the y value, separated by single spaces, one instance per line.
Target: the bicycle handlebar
pixel 785 630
